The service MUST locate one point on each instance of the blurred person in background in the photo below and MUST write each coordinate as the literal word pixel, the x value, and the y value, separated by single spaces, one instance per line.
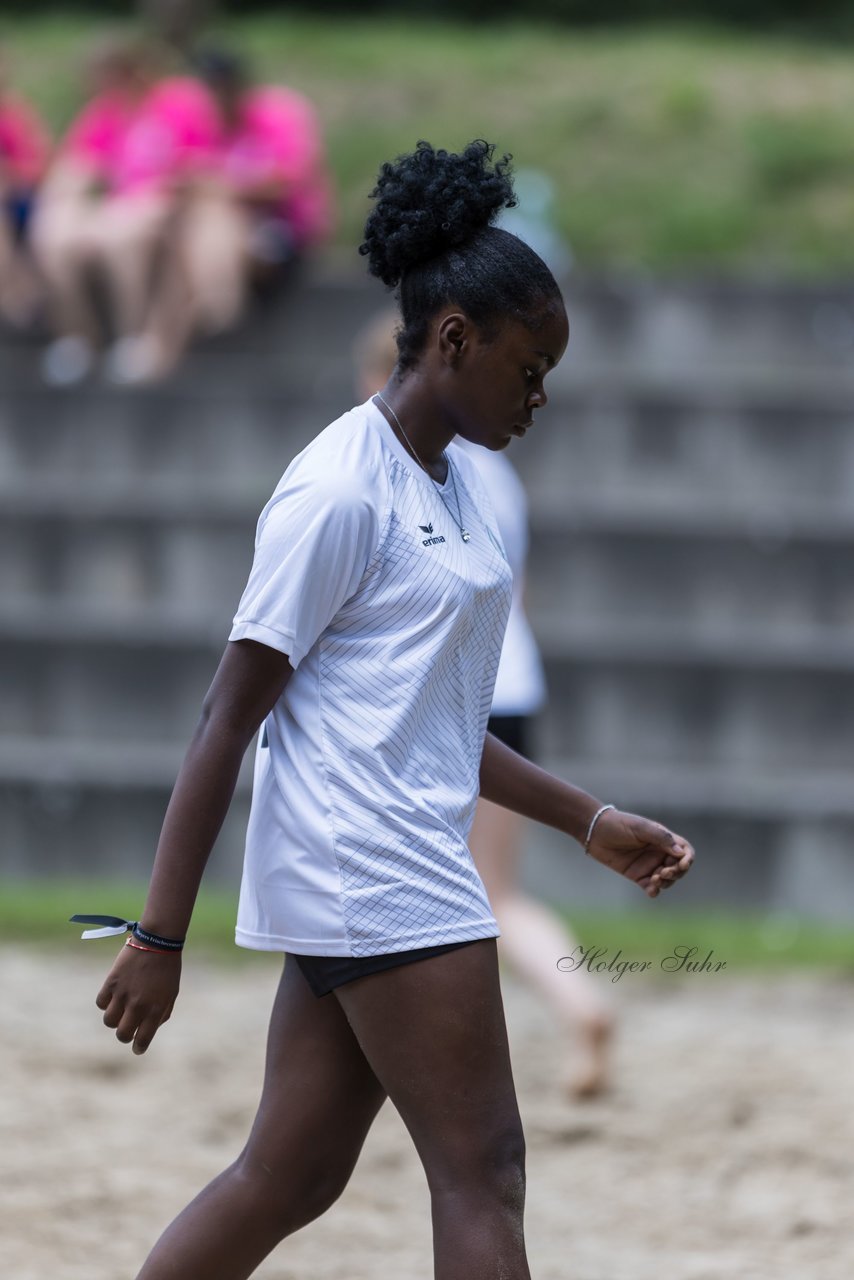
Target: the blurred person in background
pixel 264 199
pixel 533 937
pixel 24 154
pixel 177 23
pixel 108 206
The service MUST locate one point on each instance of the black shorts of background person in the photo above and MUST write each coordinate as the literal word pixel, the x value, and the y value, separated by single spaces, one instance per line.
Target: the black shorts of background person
pixel 516 732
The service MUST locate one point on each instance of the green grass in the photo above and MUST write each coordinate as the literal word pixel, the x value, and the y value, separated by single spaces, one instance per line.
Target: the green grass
pixel 745 942
pixel 36 913
pixel 669 149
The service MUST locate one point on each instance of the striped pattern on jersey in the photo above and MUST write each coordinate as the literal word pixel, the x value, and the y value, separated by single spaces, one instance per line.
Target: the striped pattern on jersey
pixel 366 793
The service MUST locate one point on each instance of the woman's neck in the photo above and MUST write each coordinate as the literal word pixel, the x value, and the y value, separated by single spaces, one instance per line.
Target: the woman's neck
pixel 418 421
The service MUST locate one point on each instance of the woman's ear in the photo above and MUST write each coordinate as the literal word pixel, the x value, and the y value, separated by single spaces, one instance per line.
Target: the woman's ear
pixel 453 336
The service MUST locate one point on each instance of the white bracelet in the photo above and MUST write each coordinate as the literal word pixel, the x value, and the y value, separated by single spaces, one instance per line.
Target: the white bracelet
pixel 593 821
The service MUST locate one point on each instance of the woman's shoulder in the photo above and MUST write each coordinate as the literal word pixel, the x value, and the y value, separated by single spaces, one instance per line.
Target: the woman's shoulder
pixel 344 458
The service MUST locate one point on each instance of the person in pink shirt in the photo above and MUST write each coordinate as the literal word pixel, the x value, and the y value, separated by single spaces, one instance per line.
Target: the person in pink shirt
pixel 109 205
pixel 266 196
pixel 24 152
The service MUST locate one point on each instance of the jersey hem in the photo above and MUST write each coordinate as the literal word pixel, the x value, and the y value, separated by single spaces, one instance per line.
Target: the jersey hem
pixel 406 942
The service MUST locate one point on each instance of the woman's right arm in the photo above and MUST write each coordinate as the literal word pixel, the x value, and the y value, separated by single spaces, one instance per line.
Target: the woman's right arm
pixel 141 988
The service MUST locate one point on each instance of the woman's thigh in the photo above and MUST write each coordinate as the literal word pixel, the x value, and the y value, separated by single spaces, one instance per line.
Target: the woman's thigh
pixel 435 1036
pixel 320 1095
pixel 66 227
pixel 125 223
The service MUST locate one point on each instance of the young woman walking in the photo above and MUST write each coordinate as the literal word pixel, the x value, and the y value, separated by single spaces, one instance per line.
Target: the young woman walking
pixel 365 648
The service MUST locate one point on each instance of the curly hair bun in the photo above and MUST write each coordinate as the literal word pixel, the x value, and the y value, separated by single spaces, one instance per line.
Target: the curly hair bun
pixel 430 201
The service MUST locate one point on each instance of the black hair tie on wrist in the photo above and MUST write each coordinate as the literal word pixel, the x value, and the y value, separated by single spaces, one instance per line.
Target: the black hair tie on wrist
pixel 111 926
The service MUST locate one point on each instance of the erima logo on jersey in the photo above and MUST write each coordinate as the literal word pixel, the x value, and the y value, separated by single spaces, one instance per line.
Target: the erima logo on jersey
pixel 430 542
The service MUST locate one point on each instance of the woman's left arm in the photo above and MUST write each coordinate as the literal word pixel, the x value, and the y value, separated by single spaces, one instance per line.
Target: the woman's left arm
pixel 643 851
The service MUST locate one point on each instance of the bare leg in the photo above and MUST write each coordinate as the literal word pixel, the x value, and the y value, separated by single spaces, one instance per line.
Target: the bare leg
pixel 534 938
pixel 170 321
pixel 63 245
pixel 130 231
pixel 319 1100
pixel 7 258
pixel 434 1034
pixel 20 291
pixel 143 270
pixel 215 247
pixel 200 283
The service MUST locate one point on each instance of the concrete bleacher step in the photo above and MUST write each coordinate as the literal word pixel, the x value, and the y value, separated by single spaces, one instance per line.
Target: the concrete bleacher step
pixel 617 442
pixel 772 838
pixel 693 581
pixel 659 700
pixel 104 763
pixel 686 788
pixel 622 570
pixel 770 795
pixel 564 637
pixel 634 321
pixel 610 509
pixel 793 439
pixel 96 807
pixel 642 322
pixel 747 719
pixel 199 565
pixel 153 434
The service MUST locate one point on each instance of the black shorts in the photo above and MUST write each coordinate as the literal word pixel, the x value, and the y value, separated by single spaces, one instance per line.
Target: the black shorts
pixel 513 731
pixel 324 973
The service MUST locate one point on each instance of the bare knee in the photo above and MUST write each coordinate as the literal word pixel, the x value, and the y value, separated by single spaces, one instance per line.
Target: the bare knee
pixel 62 243
pixel 128 238
pixel 502 1168
pixel 291 1198
pixel 490 1171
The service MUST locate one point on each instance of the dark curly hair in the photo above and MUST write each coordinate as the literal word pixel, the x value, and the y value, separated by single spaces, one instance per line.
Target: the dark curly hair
pixel 430 237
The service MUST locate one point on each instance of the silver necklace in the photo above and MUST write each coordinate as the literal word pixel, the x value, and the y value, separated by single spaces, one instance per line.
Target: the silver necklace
pixel 457 519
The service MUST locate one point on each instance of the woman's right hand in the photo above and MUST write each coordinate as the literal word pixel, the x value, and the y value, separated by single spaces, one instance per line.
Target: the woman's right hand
pixel 139 994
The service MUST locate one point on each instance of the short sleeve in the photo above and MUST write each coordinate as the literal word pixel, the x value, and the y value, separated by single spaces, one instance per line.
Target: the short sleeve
pixel 315 540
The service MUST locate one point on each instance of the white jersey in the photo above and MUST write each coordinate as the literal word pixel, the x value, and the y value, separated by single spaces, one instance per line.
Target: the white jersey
pixel 520 686
pixel 366 772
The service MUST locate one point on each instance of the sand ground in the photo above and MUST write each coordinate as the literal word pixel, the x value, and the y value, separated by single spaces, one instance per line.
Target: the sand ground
pixel 726 1148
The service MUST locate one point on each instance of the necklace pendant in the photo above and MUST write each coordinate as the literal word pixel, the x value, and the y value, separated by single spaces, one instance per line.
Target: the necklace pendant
pixel 465 535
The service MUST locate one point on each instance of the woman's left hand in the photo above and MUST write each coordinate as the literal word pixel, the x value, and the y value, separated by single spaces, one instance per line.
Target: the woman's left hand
pixel 641 850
